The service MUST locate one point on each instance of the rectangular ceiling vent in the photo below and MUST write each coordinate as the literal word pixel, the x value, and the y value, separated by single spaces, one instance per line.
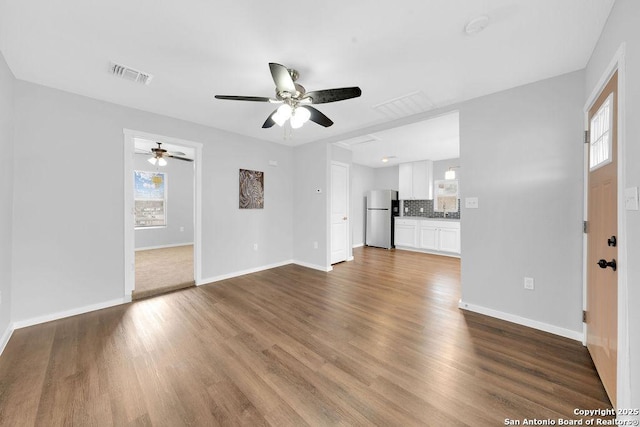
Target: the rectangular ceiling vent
pixel 405 106
pixel 363 139
pixel 130 74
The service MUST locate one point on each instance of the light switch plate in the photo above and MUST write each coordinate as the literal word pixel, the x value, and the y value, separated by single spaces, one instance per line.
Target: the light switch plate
pixel 631 198
pixel 471 202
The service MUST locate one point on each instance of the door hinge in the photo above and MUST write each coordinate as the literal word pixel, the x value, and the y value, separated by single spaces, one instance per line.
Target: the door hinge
pixel 585 227
pixel 584 316
pixel 586 137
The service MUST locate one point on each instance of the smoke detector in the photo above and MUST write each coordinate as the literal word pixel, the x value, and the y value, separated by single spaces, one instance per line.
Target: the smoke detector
pixel 130 74
pixel 476 25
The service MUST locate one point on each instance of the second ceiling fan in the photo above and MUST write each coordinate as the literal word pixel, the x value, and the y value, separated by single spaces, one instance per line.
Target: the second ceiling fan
pixel 296 101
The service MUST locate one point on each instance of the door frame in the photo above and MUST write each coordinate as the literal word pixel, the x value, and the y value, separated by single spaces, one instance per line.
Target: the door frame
pixel 623 389
pixel 129 226
pixel 348 195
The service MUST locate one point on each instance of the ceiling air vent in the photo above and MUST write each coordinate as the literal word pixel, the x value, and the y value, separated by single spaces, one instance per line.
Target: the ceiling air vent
pixel 130 74
pixel 404 106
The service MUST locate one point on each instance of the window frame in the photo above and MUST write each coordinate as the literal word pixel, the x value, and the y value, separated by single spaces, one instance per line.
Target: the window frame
pixel 164 200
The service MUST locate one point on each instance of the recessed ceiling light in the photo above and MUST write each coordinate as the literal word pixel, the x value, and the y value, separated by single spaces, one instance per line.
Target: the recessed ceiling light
pixel 476 25
pixel 387 158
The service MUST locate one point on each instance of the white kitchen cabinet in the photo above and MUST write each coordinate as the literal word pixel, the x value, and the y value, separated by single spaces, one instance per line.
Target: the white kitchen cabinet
pixel 415 180
pixel 428 236
pixel 449 240
pixel 405 181
pixel 437 236
pixel 405 232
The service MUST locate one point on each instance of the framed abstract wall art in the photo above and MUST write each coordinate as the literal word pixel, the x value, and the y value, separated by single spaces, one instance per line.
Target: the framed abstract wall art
pixel 251 189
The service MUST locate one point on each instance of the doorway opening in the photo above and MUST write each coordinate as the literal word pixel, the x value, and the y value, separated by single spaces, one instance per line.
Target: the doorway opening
pixel 162 214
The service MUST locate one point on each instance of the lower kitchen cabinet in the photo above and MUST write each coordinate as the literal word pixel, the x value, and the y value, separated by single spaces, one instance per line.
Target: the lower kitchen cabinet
pixel 449 240
pixel 428 235
pixel 405 232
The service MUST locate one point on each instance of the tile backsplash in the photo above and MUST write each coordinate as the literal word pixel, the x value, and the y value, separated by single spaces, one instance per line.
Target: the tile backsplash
pixel 427 207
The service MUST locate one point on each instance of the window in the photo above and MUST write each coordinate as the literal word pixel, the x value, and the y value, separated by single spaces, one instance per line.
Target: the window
pixel 600 132
pixel 446 196
pixel 150 199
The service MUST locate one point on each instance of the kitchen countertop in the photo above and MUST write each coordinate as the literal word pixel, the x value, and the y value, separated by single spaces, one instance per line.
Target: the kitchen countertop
pixel 427 218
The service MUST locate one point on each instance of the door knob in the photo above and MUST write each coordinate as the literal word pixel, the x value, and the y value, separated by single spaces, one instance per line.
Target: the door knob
pixel 344 218
pixel 604 264
pixel 612 241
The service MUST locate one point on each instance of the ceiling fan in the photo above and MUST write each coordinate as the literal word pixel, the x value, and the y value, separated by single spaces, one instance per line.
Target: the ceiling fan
pixel 296 101
pixel 159 155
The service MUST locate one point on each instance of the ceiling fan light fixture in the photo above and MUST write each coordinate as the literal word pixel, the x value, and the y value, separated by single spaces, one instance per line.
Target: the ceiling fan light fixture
pixel 152 160
pixel 283 113
pixel 300 116
pixel 162 162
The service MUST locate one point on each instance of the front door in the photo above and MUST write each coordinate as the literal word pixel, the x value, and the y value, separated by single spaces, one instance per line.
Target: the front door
pixel 602 279
pixel 339 208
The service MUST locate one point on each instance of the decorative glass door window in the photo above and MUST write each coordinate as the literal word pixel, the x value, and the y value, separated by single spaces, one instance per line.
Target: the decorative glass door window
pixel 150 199
pixel 600 135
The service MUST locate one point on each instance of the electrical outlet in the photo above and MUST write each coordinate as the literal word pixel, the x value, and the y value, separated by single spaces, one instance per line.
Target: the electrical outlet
pixel 528 283
pixel 255 246
pixel 315 245
pixel 181 228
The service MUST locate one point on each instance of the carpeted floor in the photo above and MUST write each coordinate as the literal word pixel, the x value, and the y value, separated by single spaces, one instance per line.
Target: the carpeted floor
pixel 163 270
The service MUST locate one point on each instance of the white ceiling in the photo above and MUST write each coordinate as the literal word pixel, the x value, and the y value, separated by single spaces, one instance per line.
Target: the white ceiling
pixel 413 50
pixel 434 139
pixel 146 146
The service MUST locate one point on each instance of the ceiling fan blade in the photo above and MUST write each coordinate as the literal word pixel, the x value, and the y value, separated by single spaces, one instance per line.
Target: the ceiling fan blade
pixel 269 122
pixel 179 158
pixel 282 78
pixel 333 95
pixel 318 117
pixel 245 98
pixel 176 153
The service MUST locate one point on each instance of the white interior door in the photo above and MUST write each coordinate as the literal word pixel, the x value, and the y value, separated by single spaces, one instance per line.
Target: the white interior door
pixel 339 212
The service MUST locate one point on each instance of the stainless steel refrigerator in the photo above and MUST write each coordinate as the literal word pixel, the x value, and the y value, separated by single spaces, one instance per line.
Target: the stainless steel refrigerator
pixel 382 206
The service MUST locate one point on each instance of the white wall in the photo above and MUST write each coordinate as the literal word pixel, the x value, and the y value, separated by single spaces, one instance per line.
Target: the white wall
pixel 386 178
pixel 310 208
pixel 622 26
pixel 180 191
pixel 6 194
pixel 361 181
pixel 522 148
pixel 69 212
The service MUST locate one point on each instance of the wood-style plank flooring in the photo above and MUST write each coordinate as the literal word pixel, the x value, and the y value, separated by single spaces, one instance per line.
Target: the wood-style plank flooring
pixel 377 341
pixel 159 271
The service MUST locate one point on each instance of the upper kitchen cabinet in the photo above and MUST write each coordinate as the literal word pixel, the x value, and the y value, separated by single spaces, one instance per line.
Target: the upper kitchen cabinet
pixel 416 180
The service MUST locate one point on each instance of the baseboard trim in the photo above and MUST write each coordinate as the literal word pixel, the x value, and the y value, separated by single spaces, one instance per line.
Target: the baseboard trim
pixel 545 327
pixel 175 245
pixel 358 245
pixel 6 336
pixel 426 251
pixel 313 266
pixel 68 313
pixel 241 273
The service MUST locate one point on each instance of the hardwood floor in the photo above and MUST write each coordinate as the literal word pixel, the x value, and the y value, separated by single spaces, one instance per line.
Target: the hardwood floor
pixel 378 341
pixel 159 271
